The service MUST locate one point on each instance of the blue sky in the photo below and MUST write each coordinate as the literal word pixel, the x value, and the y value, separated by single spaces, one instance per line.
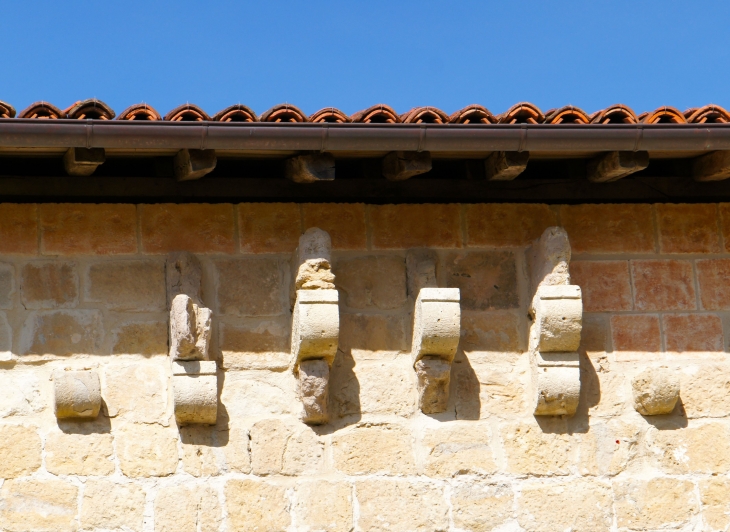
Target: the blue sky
pixel 352 54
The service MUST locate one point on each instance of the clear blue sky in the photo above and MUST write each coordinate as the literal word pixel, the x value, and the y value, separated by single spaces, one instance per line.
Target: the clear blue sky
pixel 352 54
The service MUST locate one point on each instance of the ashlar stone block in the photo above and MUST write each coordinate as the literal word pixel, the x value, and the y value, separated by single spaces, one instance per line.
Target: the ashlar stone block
pixel 436 333
pixel 656 391
pixel 77 394
pixel 195 391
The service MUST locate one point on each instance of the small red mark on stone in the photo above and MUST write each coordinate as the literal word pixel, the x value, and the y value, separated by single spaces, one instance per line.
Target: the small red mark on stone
pixel 617 441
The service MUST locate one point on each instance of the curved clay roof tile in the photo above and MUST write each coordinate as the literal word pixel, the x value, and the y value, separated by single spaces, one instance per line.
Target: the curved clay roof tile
pixel 709 114
pixel 329 114
pixel 472 114
pixel 236 113
pixel 90 109
pixel 522 113
pixel 424 115
pixel 42 110
pixel 615 114
pixel 187 113
pixel 284 112
pixel 6 110
pixel 139 111
pixel 663 115
pixel 567 115
pixel 377 114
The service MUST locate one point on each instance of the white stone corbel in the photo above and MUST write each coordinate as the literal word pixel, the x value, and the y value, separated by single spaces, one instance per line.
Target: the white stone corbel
pixel 194 376
pixel 656 391
pixel 315 324
pixel 557 314
pixel 436 332
pixel 77 394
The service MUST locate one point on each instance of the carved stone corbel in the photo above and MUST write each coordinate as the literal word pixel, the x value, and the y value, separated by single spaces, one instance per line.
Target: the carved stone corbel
pixel 77 394
pixel 436 332
pixel 194 377
pixel 656 391
pixel 315 324
pixel 557 314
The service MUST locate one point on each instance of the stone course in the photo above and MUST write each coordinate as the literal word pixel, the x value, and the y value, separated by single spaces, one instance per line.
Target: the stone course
pixel 85 288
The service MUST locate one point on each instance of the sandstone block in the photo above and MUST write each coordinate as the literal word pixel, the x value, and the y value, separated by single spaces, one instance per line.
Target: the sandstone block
pixel 190 329
pixel 481 507
pixel 656 391
pixel 494 334
pixel 255 344
pixel 237 452
pixel 706 390
pixel 183 275
pixel 262 393
pixel 434 375
pixel 487 280
pixel 687 228
pixel 609 228
pixel 88 229
pixel 133 285
pixel 725 224
pixel 140 338
pixel 401 505
pixel 79 454
pixel 277 448
pixel 20 449
pixel 655 503
pixel 21 392
pixel 484 390
pixel 195 391
pixel 373 448
pixel 313 390
pixel 187 508
pixel 147 450
pixel 412 226
pixel 344 222
pixel 109 505
pixel 269 227
pixel 506 224
pixel 715 497
pixel 580 505
pixel 19 228
pixel 146 401
pixel 530 451
pixel 77 394
pixel 203 449
pixel 713 276
pixel 250 287
pixel 421 270
pixel 558 318
pixel 635 334
pixel 197 228
pixel 663 285
pixel 460 448
pixel 49 285
pixel 372 336
pixel 323 505
pixel 693 449
pixel 606 285
pixel 62 332
pixel 38 506
pixel 374 282
pixel 315 325
pixel 256 506
pixel 436 324
pixel 693 332
pixel 7 285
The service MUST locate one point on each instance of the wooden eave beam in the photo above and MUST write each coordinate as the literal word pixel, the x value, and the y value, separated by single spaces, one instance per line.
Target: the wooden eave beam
pixel 310 168
pixel 83 162
pixel 402 165
pixel 614 165
pixel 194 164
pixel 505 165
pixel 714 166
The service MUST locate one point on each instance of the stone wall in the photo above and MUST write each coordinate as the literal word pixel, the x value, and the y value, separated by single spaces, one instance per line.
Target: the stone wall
pixel 83 287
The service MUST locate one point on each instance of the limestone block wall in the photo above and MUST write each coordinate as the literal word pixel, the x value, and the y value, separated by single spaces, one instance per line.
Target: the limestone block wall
pixel 82 287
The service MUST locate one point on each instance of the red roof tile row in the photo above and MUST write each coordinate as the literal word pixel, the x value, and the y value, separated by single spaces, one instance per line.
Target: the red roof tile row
pixel 522 113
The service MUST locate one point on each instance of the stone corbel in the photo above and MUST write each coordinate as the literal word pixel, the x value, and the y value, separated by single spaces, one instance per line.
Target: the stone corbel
pixel 436 332
pixel 557 314
pixel 656 391
pixel 77 394
pixel 315 324
pixel 194 376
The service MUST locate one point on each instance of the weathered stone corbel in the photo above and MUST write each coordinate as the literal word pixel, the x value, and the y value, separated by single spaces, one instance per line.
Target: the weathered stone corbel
pixel 656 391
pixel 77 394
pixel 436 331
pixel 557 313
pixel 194 376
pixel 315 324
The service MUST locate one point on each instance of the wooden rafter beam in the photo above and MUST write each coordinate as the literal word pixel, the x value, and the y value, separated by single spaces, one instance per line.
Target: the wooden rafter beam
pixel 614 165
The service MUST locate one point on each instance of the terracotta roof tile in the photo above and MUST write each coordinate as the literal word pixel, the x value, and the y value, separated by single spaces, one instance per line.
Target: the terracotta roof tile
pixel 139 111
pixel 567 115
pixel 713 114
pixel 522 113
pixel 187 113
pixel 41 110
pixel 615 114
pixel 663 115
pixel 473 114
pixel 329 114
pixel 377 114
pixel 6 110
pixel 424 115
pixel 284 112
pixel 89 109
pixel 236 113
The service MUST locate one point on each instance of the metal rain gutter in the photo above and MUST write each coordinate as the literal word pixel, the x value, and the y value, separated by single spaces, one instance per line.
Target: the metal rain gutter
pixel 34 133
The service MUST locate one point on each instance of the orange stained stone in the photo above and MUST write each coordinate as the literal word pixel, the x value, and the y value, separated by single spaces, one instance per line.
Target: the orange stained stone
pixel 506 224
pixel 19 228
pixel 636 333
pixel 198 228
pixel 410 226
pixel 713 276
pixel 345 223
pixel 615 228
pixel 88 229
pixel 693 332
pixel 685 228
pixel 269 227
pixel 606 285
pixel 663 285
